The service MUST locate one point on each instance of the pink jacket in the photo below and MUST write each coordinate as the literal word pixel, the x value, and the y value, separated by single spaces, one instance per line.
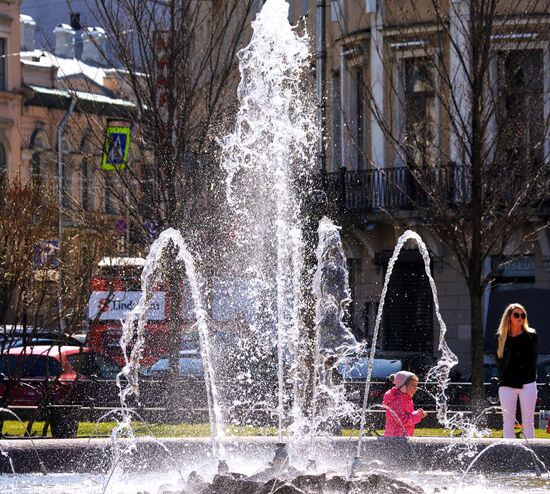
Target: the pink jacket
pixel 400 414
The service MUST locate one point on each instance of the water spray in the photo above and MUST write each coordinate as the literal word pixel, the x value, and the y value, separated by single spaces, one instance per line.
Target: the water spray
pixel 133 339
pixel 439 373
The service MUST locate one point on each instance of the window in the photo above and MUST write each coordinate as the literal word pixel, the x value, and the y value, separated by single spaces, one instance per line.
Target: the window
pixel 35 170
pixel 359 121
pixel 520 107
pixel 2 64
pixel 29 366
pixel 336 10
pixel 92 364
pixel 75 21
pixel 419 111
pixel 414 118
pixel 304 7
pixel 353 100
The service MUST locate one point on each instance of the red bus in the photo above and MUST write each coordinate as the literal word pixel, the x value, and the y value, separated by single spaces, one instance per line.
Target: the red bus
pixel 114 292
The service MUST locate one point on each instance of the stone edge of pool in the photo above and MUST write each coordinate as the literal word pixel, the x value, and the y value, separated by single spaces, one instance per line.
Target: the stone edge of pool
pixel 434 453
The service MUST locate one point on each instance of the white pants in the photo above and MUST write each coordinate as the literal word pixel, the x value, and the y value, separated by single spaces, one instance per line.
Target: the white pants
pixel 527 401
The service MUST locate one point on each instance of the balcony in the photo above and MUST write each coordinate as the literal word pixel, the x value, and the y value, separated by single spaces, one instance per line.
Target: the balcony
pixel 396 189
pixel 360 191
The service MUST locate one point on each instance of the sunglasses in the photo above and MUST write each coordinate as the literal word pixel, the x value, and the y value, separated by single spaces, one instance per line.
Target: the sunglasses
pixel 517 315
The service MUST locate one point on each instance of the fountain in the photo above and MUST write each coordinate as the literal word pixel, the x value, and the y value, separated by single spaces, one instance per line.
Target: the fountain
pixel 267 154
pixel 270 152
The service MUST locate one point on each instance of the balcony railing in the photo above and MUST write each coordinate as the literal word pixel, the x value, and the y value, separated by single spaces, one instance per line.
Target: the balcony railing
pixel 397 189
pixel 370 190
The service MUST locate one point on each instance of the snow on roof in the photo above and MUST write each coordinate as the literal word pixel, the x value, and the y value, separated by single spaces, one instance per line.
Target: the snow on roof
pixel 66 67
pixel 92 97
pixel 26 19
pixel 63 27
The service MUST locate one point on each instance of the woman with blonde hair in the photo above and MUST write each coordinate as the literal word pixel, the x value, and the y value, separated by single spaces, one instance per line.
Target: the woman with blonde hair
pixel 516 356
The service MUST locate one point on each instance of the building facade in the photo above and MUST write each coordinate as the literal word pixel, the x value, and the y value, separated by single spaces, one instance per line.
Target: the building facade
pixel 54 108
pixel 399 132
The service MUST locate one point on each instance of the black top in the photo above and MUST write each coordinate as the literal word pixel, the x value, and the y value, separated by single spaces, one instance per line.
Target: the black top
pixel 518 365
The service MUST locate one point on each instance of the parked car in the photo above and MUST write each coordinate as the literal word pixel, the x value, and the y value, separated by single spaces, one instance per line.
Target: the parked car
pixel 53 382
pixel 543 371
pixel 49 339
pixel 490 380
pixel 17 335
pixel 156 387
pixel 354 374
pixel 190 365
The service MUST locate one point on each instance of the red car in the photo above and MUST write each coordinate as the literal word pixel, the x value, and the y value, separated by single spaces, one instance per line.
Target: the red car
pixel 53 382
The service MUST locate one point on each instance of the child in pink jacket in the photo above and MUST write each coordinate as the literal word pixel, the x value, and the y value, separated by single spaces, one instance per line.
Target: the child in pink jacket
pixel 401 416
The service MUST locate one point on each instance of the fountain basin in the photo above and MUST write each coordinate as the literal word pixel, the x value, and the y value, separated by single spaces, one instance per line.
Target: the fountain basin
pixel 333 453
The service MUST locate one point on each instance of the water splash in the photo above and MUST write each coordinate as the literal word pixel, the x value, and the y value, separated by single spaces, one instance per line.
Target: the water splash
pixel 333 339
pixel 536 460
pixel 6 454
pixel 133 338
pixel 265 157
pixel 332 294
pixel 440 372
pixel 166 453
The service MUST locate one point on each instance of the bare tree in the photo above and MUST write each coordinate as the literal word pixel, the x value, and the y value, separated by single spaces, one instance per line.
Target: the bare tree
pixel 465 128
pixel 177 62
pixel 30 260
pixel 22 228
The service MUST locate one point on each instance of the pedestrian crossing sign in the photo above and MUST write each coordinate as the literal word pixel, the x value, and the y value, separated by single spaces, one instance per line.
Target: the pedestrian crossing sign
pixel 117 145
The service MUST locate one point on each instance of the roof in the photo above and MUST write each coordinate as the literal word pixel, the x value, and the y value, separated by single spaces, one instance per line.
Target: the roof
pixel 66 67
pixel 60 99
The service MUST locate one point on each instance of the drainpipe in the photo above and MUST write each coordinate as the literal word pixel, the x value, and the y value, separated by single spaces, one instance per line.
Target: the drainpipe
pixel 320 77
pixel 60 129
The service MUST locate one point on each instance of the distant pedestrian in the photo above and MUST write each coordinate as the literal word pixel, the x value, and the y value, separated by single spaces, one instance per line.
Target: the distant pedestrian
pixel 516 350
pixel 401 417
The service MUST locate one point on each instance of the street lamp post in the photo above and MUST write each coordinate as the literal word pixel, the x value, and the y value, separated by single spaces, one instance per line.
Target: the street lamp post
pixel 60 129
